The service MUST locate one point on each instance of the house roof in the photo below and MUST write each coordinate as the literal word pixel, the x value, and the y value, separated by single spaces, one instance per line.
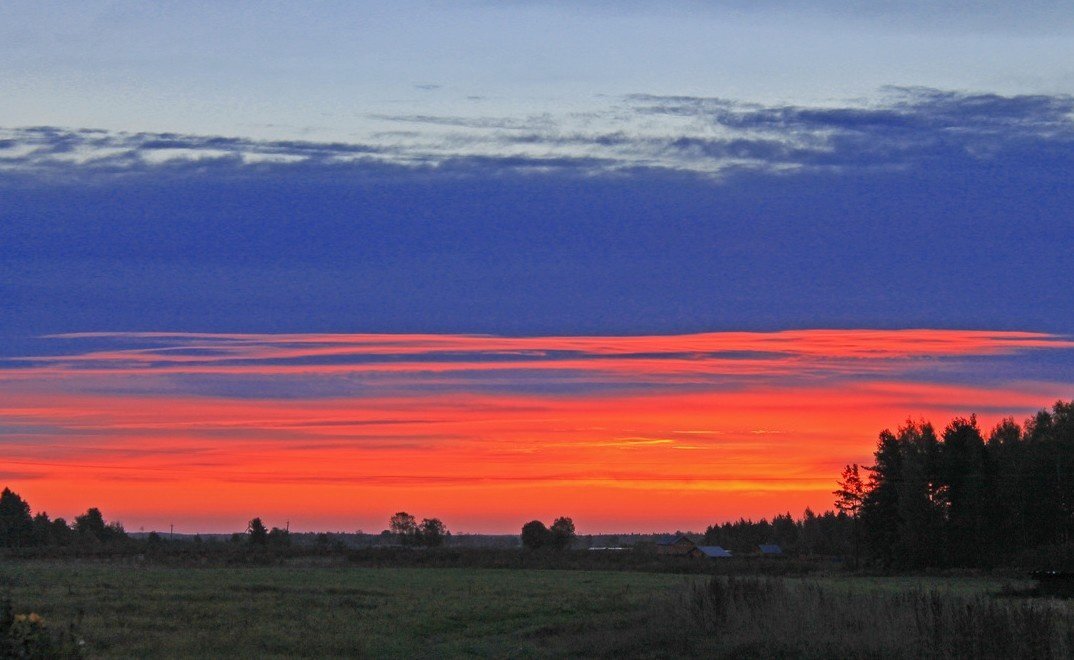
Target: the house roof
pixel 771 549
pixel 668 539
pixel 714 551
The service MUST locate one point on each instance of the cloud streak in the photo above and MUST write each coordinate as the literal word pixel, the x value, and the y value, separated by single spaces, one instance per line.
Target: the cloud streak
pixel 450 362
pixel 702 135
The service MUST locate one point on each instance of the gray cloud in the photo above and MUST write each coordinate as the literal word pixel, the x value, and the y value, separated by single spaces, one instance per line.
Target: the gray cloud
pixel 905 127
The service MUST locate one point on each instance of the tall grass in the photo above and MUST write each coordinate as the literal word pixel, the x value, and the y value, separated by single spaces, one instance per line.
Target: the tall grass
pixel 772 617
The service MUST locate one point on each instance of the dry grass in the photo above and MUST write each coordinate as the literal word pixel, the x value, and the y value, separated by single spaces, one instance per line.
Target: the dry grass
pixel 340 611
pixel 766 617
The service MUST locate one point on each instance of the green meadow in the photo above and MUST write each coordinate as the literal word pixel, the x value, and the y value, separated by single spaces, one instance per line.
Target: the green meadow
pixel 322 611
pixel 330 611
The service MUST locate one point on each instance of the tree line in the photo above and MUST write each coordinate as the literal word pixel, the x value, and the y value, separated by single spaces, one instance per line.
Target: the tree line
pixel 954 498
pixel 18 528
pixel 828 534
pixel 959 498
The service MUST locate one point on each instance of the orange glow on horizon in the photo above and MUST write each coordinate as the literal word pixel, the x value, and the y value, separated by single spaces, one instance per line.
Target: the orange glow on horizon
pixel 622 433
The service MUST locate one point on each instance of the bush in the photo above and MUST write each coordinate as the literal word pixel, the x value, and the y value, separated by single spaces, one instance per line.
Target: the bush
pixel 28 636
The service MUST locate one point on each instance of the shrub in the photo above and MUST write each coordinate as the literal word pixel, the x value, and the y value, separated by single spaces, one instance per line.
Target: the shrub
pixel 28 636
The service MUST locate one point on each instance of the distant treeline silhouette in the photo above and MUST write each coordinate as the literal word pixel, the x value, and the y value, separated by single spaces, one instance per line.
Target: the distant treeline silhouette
pixel 828 534
pixel 19 529
pixel 953 499
pixel 959 499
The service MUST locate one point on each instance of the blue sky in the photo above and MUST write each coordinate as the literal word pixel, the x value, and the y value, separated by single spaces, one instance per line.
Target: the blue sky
pixel 322 69
pixel 535 167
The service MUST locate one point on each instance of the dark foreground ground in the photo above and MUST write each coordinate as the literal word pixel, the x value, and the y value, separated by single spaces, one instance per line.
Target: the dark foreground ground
pixel 333 611
pixel 125 611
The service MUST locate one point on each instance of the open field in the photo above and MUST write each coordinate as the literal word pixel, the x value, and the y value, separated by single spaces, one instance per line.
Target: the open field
pixel 903 617
pixel 406 612
pixel 331 611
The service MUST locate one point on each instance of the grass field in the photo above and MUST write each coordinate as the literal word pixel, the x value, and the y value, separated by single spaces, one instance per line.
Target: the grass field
pixel 332 611
pixel 412 612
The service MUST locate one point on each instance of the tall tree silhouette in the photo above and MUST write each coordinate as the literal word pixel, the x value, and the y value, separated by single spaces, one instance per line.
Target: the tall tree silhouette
pixel 961 501
pixel 968 480
pixel 849 498
pixel 16 525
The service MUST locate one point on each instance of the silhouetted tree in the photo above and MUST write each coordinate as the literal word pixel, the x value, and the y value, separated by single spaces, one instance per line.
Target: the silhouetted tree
pixel 961 501
pixel 535 535
pixel 849 498
pixel 90 523
pixel 61 532
pixel 969 487
pixel 1050 445
pixel 404 527
pixel 1006 433
pixel 16 525
pixel 562 533
pixel 785 532
pixel 851 491
pixel 741 536
pixel 91 526
pixel 827 534
pixel 432 532
pixel 256 533
pixel 905 503
pixel 42 529
pixel 278 537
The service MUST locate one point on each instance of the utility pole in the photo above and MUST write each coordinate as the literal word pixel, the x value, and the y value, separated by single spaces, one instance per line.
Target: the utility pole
pixel 171 531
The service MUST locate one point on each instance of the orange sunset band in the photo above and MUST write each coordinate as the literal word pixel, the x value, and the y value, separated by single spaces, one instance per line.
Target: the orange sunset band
pixel 338 431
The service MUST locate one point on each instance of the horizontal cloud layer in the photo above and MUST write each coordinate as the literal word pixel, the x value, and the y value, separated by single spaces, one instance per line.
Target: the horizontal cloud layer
pixel 903 127
pixel 637 358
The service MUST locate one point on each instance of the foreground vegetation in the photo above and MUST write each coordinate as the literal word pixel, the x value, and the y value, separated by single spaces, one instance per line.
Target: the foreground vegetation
pixel 771 617
pixel 125 610
pixel 327 611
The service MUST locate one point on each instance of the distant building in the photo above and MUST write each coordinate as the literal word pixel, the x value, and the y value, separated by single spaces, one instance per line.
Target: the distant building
pixel 677 546
pixel 770 550
pixel 713 551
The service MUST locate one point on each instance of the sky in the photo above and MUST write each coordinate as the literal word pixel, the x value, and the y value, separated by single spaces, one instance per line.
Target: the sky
pixel 649 267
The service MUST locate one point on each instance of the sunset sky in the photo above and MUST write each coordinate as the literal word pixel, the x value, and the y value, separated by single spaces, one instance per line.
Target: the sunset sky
pixel 495 261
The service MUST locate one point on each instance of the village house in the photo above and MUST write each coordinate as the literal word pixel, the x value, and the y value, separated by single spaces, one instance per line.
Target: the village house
pixel 677 546
pixel 714 551
pixel 682 546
